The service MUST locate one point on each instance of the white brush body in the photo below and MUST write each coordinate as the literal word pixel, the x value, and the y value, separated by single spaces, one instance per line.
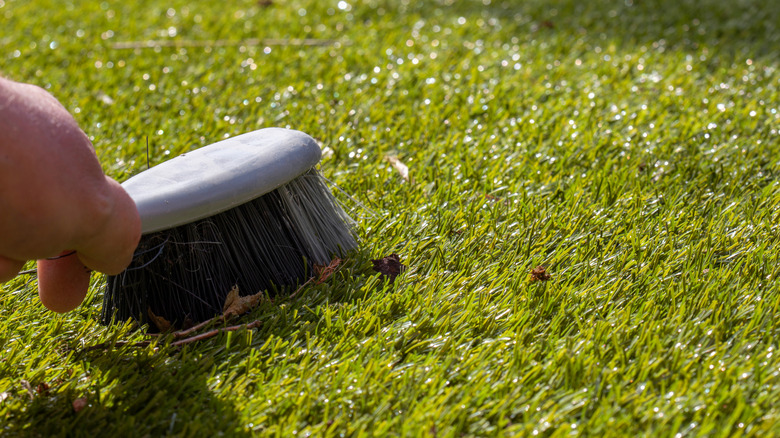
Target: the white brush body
pixel 223 175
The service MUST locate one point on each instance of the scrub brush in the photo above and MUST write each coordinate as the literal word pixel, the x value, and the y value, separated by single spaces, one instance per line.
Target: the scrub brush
pixel 250 211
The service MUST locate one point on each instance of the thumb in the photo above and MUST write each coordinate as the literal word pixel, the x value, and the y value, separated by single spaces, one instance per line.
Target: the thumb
pixel 62 282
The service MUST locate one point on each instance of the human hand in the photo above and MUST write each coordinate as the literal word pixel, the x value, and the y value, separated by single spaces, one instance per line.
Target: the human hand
pixel 55 199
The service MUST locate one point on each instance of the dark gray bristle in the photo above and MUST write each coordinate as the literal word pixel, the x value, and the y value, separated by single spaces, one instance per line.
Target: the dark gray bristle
pixel 269 244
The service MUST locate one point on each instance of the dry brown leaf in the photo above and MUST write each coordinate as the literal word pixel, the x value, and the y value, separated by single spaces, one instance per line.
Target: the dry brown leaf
pixel 540 273
pixel 79 404
pixel 390 266
pixel 161 323
pixel 238 305
pixel 42 388
pixel 323 272
pixel 400 167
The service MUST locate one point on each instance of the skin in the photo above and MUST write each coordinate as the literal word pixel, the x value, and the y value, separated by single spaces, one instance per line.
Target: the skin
pixel 55 199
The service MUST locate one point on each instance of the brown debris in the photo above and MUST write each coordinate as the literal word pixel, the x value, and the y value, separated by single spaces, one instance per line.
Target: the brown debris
pixel 390 266
pixel 321 273
pixel 238 305
pixel 161 323
pixel 79 404
pixel 540 273
pixel 42 389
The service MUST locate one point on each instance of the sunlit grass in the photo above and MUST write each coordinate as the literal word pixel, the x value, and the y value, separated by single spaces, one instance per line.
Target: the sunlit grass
pixel 629 147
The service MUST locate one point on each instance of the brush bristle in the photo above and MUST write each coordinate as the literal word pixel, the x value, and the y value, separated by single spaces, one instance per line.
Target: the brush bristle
pixel 268 244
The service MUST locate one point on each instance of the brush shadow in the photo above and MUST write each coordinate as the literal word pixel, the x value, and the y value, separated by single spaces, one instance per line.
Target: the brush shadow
pixel 136 393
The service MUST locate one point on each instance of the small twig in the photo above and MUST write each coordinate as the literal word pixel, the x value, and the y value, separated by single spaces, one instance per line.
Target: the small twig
pixel 200 337
pixel 292 295
pixel 215 332
pixel 186 332
pixel 150 44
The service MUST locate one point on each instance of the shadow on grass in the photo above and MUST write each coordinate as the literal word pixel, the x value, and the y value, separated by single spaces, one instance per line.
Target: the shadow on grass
pixel 134 393
pixel 723 27
pixel 139 392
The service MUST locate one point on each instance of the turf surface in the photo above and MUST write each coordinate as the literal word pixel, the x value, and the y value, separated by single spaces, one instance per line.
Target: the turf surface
pixel 631 148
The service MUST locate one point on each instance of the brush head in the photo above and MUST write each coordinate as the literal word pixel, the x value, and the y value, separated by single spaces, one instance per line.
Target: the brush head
pixel 249 212
pixel 216 178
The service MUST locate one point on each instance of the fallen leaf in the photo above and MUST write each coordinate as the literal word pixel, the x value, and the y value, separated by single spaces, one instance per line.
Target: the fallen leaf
pixel 323 272
pixel 237 305
pixel 79 404
pixel 539 273
pixel 42 388
pixel 400 167
pixel 390 266
pixel 161 323
pixel 492 198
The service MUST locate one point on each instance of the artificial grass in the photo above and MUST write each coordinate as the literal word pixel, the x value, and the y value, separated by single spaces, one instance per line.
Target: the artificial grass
pixel 629 147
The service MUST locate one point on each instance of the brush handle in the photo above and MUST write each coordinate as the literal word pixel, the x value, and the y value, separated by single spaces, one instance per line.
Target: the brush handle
pixel 220 176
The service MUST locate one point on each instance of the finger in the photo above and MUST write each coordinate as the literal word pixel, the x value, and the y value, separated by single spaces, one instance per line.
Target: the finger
pixel 62 282
pixel 9 268
pixel 111 250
